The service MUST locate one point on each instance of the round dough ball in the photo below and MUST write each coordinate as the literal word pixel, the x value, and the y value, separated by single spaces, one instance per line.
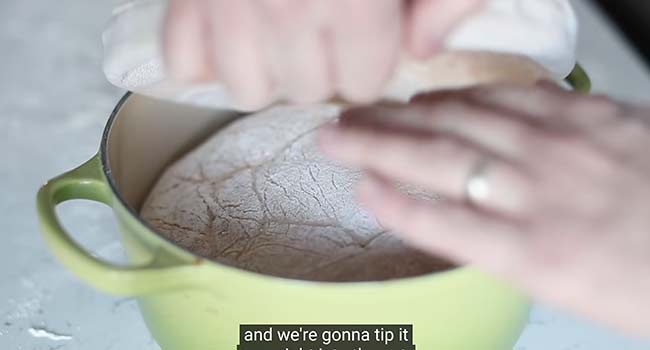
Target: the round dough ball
pixel 258 196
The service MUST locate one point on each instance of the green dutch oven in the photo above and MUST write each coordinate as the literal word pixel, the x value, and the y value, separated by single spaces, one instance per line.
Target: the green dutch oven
pixel 193 304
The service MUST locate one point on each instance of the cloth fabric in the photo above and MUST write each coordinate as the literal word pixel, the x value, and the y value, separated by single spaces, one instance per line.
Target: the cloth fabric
pixel 543 30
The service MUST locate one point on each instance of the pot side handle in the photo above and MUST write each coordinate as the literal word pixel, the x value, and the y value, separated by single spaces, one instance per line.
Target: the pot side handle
pixel 579 80
pixel 87 182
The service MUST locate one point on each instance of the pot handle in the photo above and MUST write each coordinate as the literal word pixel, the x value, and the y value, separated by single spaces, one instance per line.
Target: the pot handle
pixel 87 182
pixel 579 80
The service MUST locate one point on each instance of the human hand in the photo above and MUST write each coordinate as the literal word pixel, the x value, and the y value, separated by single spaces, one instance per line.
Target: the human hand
pixel 305 51
pixel 564 208
pixel 302 51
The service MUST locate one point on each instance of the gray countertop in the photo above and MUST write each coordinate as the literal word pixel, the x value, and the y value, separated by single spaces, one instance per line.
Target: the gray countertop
pixel 54 102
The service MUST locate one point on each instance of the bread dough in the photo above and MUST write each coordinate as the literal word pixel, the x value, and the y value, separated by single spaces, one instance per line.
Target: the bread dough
pixel 257 195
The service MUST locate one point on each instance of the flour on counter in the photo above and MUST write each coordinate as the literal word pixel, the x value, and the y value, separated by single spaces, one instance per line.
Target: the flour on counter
pixel 47 334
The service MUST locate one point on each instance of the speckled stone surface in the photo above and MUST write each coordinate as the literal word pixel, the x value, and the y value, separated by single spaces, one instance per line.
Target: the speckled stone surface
pixel 54 102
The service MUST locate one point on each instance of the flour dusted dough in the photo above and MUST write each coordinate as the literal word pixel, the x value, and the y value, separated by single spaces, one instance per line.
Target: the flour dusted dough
pixel 258 195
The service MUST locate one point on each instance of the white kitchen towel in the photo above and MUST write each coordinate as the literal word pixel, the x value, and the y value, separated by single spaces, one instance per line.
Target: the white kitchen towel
pixel 543 30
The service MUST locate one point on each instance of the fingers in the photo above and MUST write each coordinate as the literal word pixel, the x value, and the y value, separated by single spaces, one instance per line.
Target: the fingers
pixel 546 104
pixel 297 50
pixel 546 99
pixel 238 56
pixel 430 20
pixel 439 162
pixel 303 51
pixel 307 70
pixel 185 42
pixel 495 129
pixel 450 229
pixel 366 40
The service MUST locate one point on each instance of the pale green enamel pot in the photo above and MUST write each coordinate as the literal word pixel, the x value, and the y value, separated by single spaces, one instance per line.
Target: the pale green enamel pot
pixel 192 304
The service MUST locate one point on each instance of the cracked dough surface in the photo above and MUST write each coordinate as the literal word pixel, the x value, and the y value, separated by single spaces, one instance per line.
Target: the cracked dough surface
pixel 257 195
